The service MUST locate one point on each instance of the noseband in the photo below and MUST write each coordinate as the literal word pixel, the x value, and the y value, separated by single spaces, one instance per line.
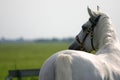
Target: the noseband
pixel 89 32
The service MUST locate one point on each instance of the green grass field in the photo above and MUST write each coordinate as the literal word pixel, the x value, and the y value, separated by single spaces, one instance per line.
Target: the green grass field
pixel 26 55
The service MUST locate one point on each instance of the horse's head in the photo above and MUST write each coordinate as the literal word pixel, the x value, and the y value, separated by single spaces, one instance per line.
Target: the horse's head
pixel 87 39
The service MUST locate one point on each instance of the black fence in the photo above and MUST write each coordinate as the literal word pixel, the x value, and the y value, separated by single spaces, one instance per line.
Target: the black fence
pixel 22 73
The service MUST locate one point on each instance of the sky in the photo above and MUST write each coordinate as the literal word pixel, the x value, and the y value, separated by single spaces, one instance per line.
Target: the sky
pixel 33 19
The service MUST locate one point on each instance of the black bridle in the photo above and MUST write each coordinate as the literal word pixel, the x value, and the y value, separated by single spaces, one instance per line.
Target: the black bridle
pixel 89 31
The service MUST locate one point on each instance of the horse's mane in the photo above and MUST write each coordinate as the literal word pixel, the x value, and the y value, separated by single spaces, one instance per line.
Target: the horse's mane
pixel 106 29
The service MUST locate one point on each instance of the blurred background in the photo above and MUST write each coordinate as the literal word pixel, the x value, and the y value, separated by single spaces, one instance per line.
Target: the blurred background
pixel 32 30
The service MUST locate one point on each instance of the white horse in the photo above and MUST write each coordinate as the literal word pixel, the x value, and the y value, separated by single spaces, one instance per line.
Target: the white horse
pixel 98 33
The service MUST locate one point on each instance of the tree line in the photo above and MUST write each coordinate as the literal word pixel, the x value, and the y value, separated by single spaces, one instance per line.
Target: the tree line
pixel 22 40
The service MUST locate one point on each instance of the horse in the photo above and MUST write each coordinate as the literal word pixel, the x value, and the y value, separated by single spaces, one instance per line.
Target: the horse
pixel 97 34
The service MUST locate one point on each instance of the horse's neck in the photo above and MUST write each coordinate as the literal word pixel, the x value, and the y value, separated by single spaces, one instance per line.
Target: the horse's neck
pixel 107 39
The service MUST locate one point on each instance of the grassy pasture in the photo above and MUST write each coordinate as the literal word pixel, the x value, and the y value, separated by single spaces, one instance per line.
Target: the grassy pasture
pixel 26 55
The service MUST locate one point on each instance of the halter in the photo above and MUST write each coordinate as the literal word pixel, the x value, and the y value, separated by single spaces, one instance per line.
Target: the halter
pixel 89 31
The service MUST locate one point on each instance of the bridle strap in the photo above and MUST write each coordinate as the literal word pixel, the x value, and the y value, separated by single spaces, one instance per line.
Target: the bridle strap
pixel 94 23
pixel 81 43
pixel 92 41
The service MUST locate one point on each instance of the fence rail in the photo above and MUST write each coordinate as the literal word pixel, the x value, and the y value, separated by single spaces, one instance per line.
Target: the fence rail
pixel 22 73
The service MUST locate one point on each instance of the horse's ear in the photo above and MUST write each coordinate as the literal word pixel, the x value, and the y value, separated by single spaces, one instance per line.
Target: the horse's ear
pixel 91 13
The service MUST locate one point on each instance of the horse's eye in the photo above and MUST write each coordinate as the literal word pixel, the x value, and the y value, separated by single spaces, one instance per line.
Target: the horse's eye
pixel 84 28
pixel 91 20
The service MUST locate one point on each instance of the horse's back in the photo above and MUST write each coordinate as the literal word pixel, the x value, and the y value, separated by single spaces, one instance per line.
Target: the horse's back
pixel 82 66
